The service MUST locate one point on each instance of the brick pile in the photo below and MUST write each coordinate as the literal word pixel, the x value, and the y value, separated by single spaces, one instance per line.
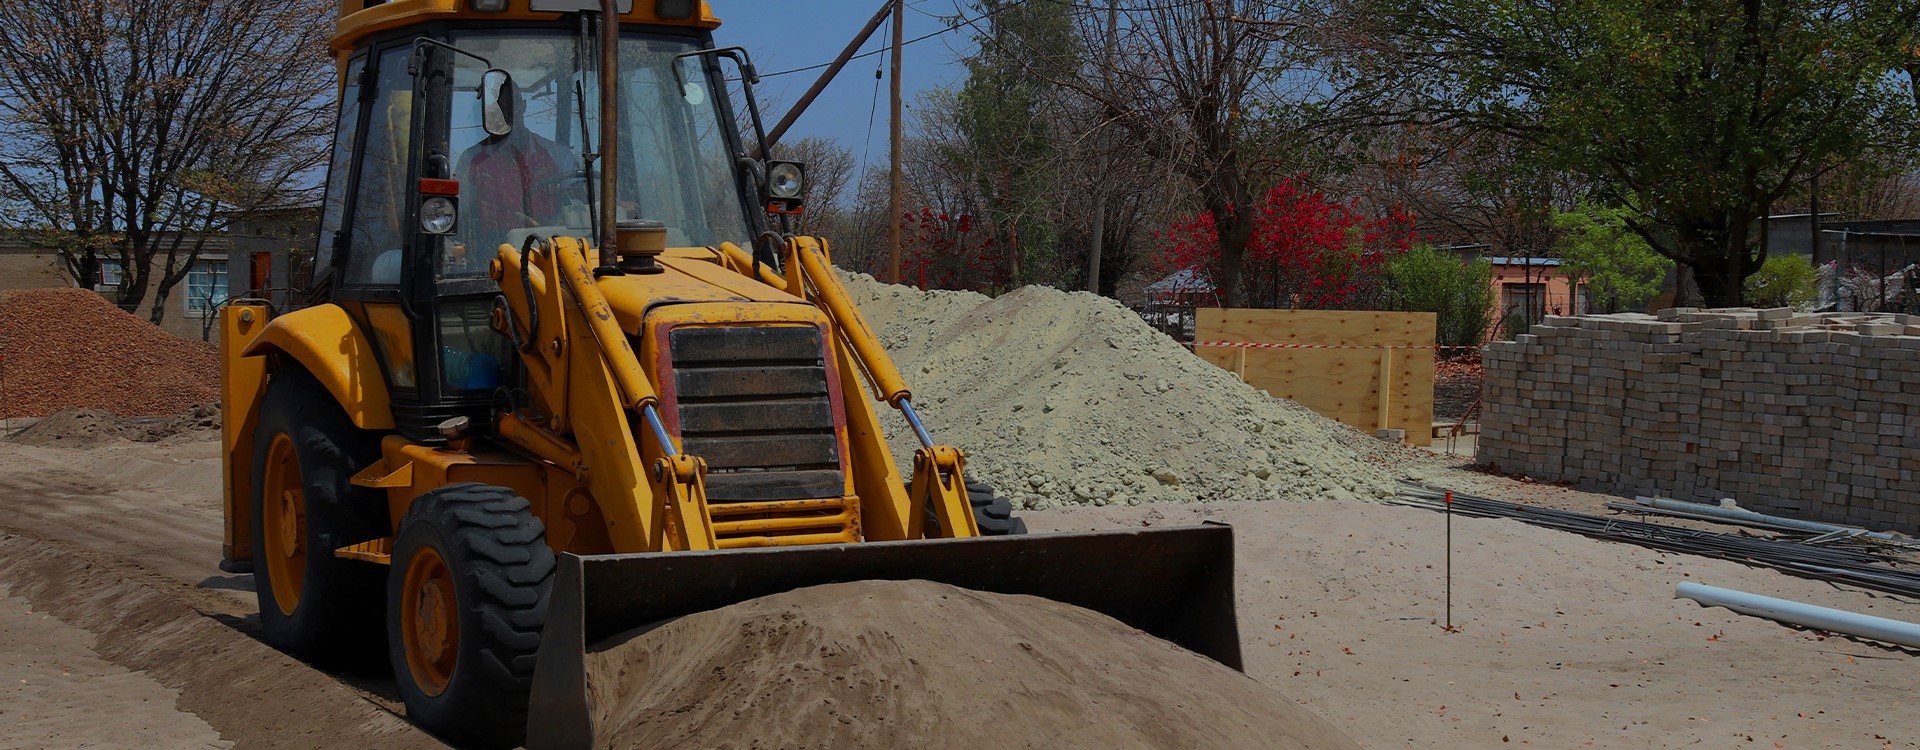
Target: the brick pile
pixel 72 349
pixel 1814 416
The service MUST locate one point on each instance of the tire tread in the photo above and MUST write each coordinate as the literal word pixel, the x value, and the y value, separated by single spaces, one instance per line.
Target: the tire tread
pixel 499 547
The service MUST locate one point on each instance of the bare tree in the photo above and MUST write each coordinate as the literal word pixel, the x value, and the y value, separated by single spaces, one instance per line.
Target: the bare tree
pixel 1181 79
pixel 134 131
pixel 1465 187
pixel 1881 185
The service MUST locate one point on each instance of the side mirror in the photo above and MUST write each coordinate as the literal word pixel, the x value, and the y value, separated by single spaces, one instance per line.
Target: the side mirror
pixel 497 102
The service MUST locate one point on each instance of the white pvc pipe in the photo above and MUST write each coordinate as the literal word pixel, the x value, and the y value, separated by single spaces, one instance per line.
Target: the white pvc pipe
pixel 1804 615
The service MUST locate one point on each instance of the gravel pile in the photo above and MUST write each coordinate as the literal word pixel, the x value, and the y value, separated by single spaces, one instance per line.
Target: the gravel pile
pixel 1070 398
pixel 72 349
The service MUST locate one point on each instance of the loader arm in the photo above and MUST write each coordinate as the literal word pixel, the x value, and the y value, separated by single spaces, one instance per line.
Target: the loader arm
pixel 937 480
pixel 594 393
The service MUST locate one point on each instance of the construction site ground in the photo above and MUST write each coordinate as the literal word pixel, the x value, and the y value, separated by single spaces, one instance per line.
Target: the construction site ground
pixel 117 629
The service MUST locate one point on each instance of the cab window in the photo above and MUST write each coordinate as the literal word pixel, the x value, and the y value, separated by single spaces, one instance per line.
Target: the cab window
pixel 381 202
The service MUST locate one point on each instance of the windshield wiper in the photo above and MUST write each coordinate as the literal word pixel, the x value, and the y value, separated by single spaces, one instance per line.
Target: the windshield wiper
pixel 587 156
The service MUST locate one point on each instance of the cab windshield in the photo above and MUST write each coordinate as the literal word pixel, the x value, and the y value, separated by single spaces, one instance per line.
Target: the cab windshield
pixel 676 162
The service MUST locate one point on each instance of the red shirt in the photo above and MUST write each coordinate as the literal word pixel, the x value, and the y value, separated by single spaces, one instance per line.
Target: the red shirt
pixel 501 173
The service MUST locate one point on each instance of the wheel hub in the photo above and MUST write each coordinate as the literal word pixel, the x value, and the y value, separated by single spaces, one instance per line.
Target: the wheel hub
pixel 290 521
pixel 284 525
pixel 429 624
pixel 433 619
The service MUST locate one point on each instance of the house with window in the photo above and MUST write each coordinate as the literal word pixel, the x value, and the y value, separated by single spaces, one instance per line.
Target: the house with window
pixel 260 256
pixel 1528 289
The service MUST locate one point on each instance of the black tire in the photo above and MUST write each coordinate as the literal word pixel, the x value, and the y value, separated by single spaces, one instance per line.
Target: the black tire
pixel 336 622
pixel 501 570
pixel 992 513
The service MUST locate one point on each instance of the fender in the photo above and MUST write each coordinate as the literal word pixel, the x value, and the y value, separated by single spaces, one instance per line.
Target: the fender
pixel 326 341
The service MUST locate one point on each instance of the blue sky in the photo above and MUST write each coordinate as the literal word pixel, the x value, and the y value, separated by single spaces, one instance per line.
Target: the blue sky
pixel 786 35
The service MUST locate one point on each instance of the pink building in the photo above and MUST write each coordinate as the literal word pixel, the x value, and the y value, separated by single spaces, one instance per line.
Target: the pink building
pixel 1535 288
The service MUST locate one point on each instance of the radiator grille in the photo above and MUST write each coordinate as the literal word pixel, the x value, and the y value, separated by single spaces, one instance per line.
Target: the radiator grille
pixel 753 401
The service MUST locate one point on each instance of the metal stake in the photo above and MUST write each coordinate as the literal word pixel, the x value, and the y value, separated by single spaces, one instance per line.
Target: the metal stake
pixel 1449 566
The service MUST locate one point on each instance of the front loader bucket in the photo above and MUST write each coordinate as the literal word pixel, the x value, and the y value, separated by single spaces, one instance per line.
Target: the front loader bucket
pixel 1174 583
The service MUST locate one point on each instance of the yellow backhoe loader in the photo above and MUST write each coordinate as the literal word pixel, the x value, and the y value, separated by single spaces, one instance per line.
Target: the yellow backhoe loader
pixel 561 375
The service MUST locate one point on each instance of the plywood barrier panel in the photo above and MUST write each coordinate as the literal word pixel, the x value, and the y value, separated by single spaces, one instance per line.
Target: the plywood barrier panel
pixel 1343 382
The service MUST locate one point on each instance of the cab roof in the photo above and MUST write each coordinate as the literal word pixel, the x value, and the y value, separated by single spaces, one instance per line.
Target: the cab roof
pixel 361 18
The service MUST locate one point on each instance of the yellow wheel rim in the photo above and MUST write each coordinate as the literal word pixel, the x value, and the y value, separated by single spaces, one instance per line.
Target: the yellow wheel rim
pixel 429 624
pixel 284 524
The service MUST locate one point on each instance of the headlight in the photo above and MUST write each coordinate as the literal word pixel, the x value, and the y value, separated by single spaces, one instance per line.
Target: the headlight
pixel 437 214
pixel 490 6
pixel 786 179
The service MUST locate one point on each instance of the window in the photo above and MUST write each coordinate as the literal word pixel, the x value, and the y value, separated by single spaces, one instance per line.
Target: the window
pixel 206 287
pixel 333 210
pixel 676 164
pixel 381 208
pixel 112 275
pixel 1529 300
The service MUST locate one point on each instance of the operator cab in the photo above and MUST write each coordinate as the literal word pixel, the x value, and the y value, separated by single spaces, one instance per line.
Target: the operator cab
pixel 481 127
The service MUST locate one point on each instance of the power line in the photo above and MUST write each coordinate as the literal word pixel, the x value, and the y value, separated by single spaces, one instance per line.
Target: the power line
pixel 958 23
pixel 873 111
pixel 865 54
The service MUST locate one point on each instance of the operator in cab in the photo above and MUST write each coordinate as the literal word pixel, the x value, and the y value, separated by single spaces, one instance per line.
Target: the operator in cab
pixel 515 180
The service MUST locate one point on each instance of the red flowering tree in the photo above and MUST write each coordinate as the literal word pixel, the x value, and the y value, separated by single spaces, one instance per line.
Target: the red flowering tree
pixel 1307 251
pixel 943 251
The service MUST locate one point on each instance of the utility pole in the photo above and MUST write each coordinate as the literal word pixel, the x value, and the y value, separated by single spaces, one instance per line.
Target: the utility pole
pixel 1813 227
pixel 820 84
pixel 895 200
pixel 1106 160
pixel 1099 232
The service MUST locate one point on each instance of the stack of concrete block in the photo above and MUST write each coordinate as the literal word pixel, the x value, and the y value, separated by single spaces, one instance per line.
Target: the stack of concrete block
pixel 1814 416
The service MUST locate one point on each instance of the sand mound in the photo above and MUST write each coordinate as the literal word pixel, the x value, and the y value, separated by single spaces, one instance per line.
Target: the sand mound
pixel 253 696
pixel 75 428
pixel 72 349
pixel 919 664
pixel 1071 398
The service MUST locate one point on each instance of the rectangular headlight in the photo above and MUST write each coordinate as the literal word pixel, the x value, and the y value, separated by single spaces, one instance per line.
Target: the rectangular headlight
pixel 674 10
pixel 490 6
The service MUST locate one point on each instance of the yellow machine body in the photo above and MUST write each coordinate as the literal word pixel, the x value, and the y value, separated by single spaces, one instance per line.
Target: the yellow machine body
pixel 690 428
pixel 579 453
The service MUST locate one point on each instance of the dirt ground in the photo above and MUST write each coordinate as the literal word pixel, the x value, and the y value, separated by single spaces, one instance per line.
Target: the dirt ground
pixel 1456 391
pixel 120 542
pixel 57 683
pixel 1562 642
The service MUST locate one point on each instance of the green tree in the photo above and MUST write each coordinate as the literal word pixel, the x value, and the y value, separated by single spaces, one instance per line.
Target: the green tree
pixel 1002 113
pixel 1619 268
pixel 1693 115
pixel 1784 281
pixel 1460 293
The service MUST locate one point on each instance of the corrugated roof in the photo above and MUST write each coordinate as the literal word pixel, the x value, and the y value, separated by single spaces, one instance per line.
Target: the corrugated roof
pixel 1183 280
